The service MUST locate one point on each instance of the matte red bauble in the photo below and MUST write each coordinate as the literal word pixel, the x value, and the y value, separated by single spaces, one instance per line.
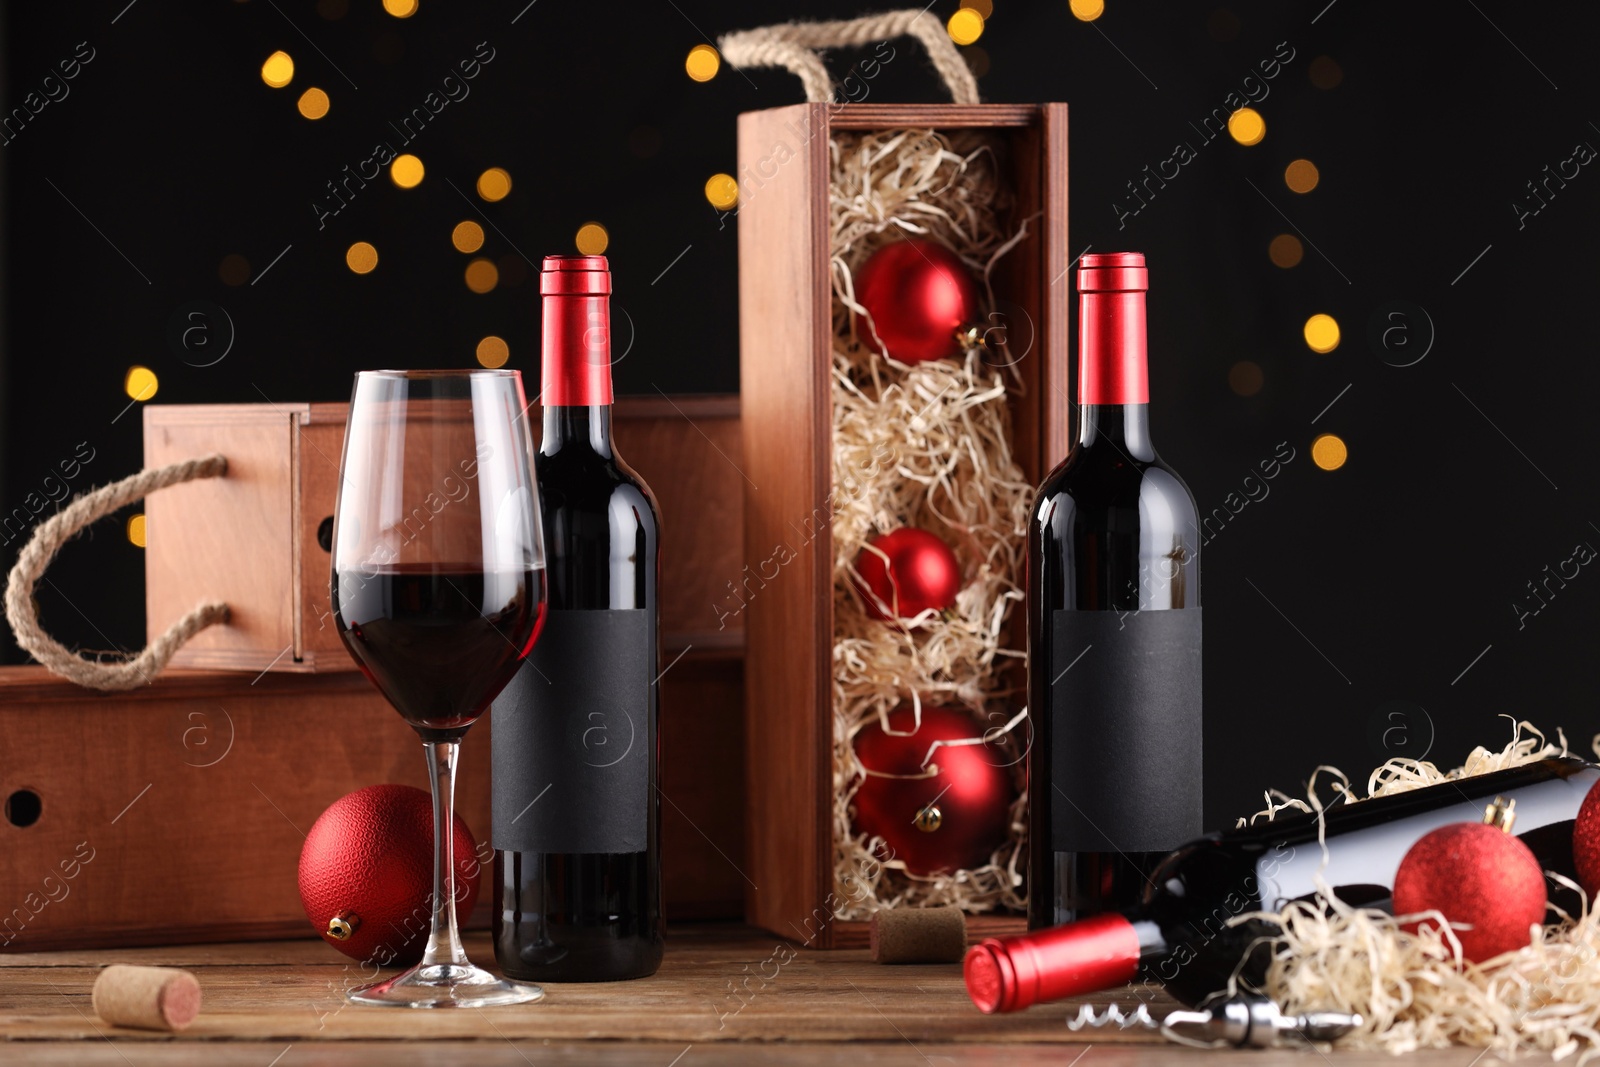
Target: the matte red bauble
pixel 921 572
pixel 919 296
pixel 1474 873
pixel 945 821
pixel 366 874
pixel 1586 844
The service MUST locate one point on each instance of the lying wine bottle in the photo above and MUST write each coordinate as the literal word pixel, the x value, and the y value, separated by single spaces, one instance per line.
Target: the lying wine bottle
pixel 1179 933
pixel 577 818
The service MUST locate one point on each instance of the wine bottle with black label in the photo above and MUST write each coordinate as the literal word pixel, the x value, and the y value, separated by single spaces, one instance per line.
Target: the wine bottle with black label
pixel 1113 629
pixel 576 812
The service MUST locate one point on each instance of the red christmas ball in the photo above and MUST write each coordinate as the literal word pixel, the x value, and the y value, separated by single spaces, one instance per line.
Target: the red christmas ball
pixel 944 821
pixel 921 572
pixel 919 296
pixel 1586 844
pixel 1473 873
pixel 366 874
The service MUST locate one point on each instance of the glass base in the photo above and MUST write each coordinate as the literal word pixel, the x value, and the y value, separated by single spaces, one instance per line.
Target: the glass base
pixel 445 985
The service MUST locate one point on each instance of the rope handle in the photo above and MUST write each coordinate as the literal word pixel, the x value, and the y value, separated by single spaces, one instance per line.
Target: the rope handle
pixel 792 45
pixel 22 610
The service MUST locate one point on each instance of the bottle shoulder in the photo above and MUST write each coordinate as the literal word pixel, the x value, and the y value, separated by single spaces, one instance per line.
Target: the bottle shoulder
pixel 1106 478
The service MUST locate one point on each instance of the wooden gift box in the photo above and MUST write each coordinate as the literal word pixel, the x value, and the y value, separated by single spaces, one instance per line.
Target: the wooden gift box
pixel 786 334
pixel 209 851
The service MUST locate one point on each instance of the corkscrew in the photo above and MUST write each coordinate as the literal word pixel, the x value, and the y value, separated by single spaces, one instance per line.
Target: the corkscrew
pixel 1239 1022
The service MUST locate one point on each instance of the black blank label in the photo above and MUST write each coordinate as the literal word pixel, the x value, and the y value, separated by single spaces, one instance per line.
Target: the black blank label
pixel 1125 730
pixel 572 739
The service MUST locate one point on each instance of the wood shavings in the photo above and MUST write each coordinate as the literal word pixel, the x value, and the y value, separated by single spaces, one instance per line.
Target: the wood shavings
pixel 1414 990
pixel 926 445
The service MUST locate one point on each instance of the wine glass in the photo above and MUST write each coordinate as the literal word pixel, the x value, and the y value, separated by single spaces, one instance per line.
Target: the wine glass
pixel 439 593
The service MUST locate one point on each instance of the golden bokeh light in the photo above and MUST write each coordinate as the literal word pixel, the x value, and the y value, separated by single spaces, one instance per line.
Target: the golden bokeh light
pixel 702 63
pixel 1325 73
pixel 136 530
pixel 1286 251
pixel 313 103
pixel 722 190
pixel 140 383
pixel 1322 333
pixel 467 236
pixel 1087 10
pixel 493 352
pixel 401 9
pixel 977 58
pixel 406 171
pixel 278 70
pixel 482 275
pixel 1247 126
pixel 234 269
pixel 361 257
pixel 1245 378
pixel 494 184
pixel 592 239
pixel 965 26
pixel 984 8
pixel 1328 451
pixel 1301 176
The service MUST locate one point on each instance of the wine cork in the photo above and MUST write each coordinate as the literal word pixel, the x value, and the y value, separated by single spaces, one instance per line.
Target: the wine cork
pixel 919 935
pixel 150 998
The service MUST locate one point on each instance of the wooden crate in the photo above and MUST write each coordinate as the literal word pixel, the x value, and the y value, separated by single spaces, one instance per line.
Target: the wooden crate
pixel 209 853
pixel 785 345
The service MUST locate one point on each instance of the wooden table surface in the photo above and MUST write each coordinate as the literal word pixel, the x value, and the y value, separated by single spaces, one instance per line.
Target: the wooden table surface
pixel 280 1004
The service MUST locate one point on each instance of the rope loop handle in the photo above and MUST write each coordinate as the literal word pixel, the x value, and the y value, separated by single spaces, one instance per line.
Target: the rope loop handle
pixel 793 45
pixel 22 610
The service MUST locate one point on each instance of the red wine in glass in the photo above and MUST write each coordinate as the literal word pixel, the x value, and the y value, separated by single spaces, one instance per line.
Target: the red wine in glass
pixel 439 593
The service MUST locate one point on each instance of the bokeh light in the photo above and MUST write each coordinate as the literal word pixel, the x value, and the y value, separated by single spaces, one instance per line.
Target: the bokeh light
pixel 977 58
pixel 1328 451
pixel 494 184
pixel 965 26
pixel 406 171
pixel 482 275
pixel 313 103
pixel 1087 10
pixel 1245 378
pixel 1322 333
pixel 702 63
pixel 1285 251
pixel 234 269
pixel 140 383
pixel 467 236
pixel 984 8
pixel 136 530
pixel 1247 126
pixel 361 257
pixel 493 352
pixel 592 239
pixel 722 190
pixel 1222 25
pixel 278 70
pixel 1325 73
pixel 401 9
pixel 1301 176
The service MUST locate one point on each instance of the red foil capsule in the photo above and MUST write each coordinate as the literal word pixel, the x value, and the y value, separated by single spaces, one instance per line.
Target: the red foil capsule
pixel 1012 973
pixel 1111 337
pixel 576 349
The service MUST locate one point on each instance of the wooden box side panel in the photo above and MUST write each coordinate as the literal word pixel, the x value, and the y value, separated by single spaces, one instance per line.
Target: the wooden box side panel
pixel 785 404
pixel 319 445
pixel 225 538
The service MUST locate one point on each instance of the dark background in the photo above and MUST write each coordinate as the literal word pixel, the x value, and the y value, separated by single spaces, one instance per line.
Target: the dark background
pixel 1343 610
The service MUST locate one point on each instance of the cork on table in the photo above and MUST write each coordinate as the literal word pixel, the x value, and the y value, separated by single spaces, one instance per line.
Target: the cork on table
pixel 725 995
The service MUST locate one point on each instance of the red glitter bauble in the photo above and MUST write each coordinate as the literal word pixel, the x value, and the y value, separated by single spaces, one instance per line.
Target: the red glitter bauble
pixel 919 296
pixel 921 572
pixel 1474 873
pixel 368 862
pixel 1586 843
pixel 944 821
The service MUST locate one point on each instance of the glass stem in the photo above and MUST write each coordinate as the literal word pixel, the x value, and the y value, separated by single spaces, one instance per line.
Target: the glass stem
pixel 444 940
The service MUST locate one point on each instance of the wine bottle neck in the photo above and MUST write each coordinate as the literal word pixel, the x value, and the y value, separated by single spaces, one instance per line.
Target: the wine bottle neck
pixel 1126 427
pixel 576 339
pixel 576 427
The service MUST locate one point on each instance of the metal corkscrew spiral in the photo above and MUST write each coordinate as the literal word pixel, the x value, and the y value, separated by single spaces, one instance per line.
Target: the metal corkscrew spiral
pixel 1239 1022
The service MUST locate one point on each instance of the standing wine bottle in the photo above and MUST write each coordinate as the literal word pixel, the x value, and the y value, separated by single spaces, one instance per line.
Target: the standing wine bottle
pixel 1179 933
pixel 1113 629
pixel 577 820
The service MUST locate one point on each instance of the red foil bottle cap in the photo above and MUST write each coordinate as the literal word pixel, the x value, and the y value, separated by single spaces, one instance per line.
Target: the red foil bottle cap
pixel 1012 973
pixel 576 342
pixel 1111 329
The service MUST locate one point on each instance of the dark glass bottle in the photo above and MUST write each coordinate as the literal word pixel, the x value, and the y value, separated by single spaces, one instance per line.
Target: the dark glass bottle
pixel 577 815
pixel 1178 934
pixel 1113 629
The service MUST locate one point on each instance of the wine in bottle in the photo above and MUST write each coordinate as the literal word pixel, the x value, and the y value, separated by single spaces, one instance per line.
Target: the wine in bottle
pixel 1113 629
pixel 1179 933
pixel 576 811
